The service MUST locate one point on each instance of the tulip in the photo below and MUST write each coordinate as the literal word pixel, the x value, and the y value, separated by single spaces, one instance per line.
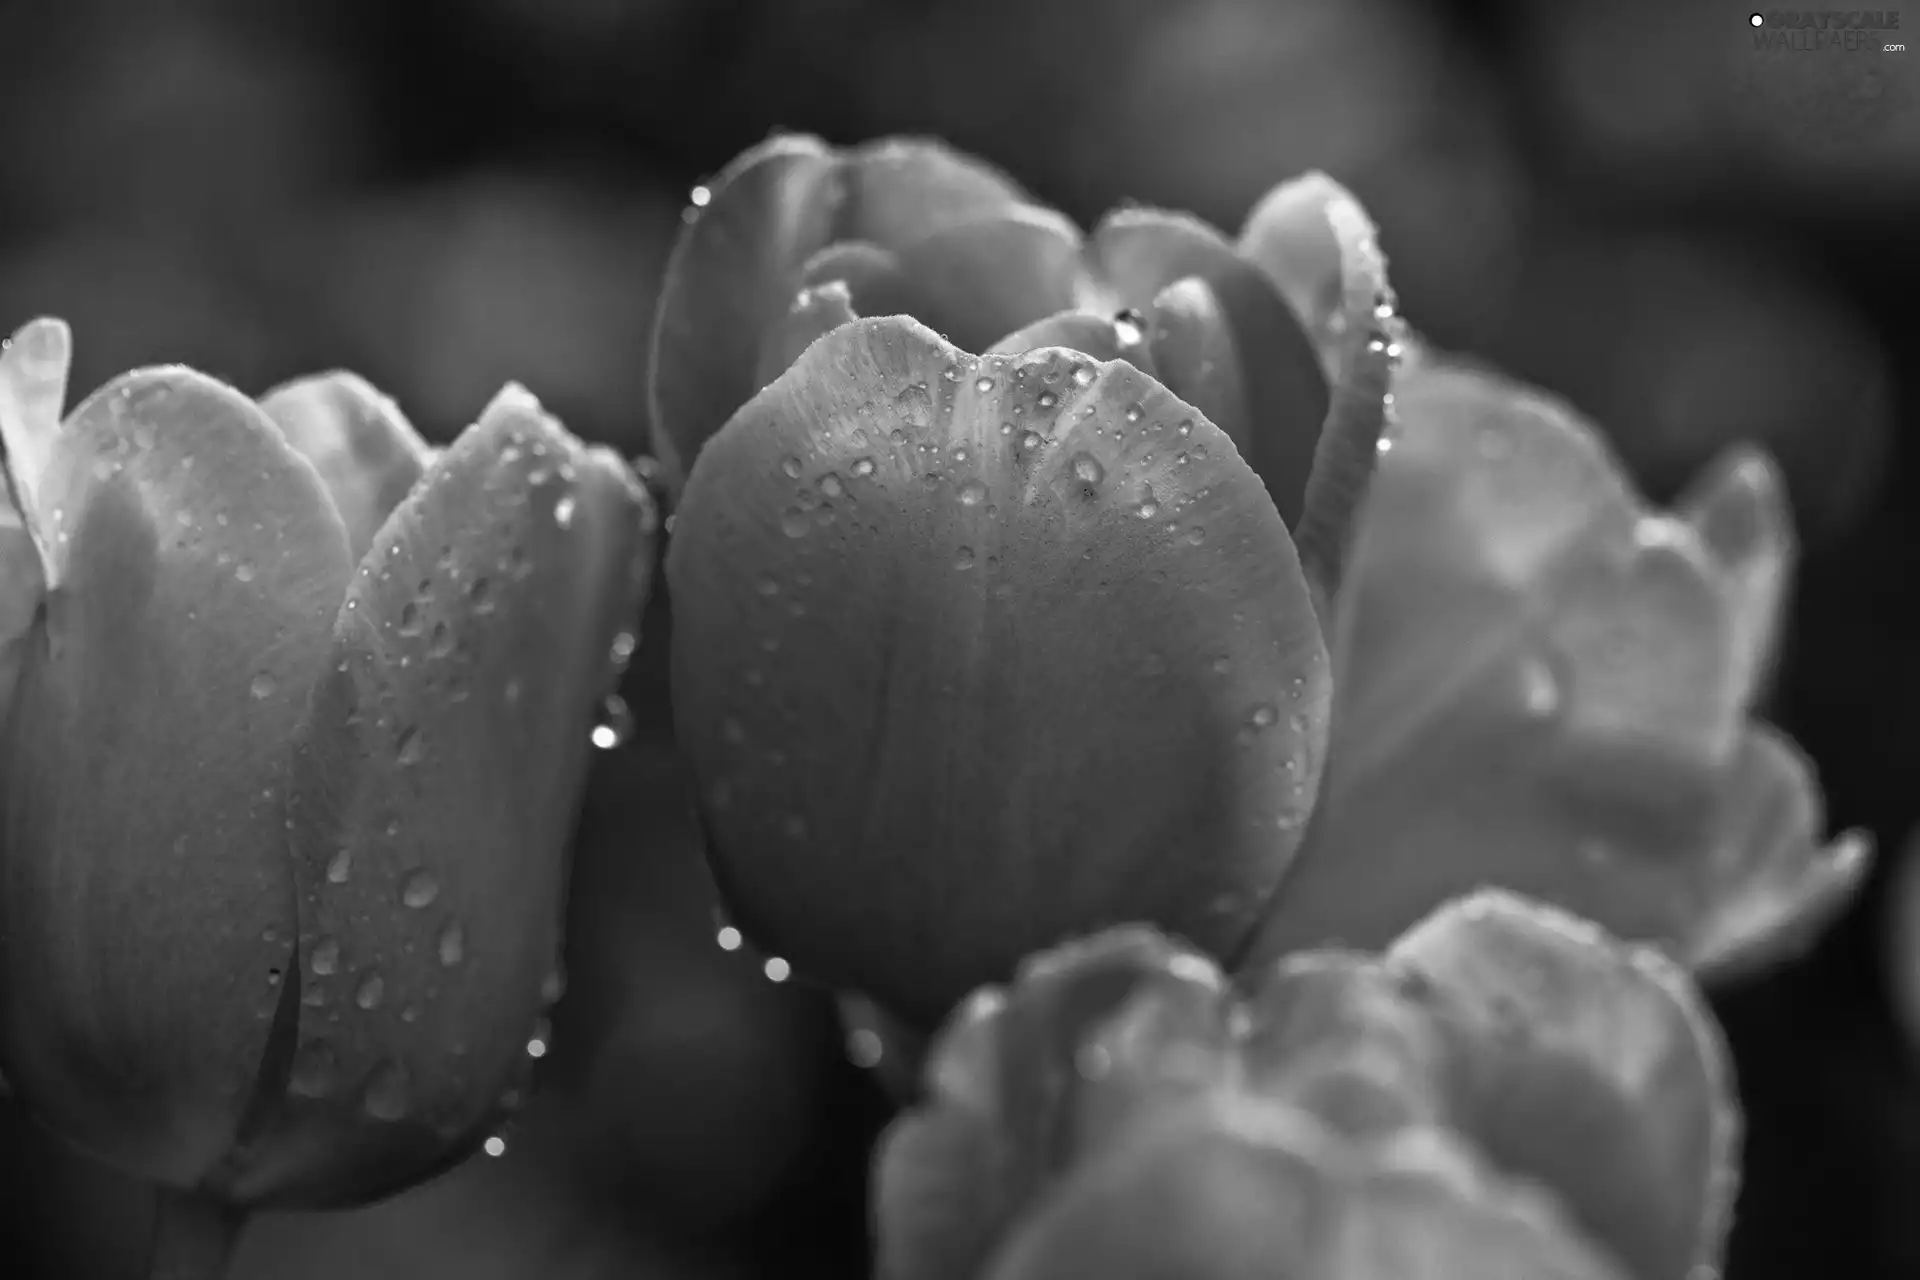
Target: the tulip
pixel 293 755
pixel 976 652
pixel 1121 1075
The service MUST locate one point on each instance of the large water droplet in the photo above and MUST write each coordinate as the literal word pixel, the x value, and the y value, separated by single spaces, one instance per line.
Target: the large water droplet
pixel 963 558
pixel 1047 400
pixel 453 944
pixel 563 512
pixel 790 466
pixel 615 727
pixel 776 969
pixel 325 958
pixel 340 866
pixel 1540 692
pixel 972 493
pixel 419 888
pixel 795 522
pixel 263 685
pixel 1087 469
pixel 542 1037
pixel 1083 375
pixel 371 989
pixel 862 467
pixel 388 1094
pixel 1129 328
pixel 831 485
pixel 313 1070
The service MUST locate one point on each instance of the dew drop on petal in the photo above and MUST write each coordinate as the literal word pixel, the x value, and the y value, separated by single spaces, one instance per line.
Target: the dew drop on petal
pixel 1540 692
pixel 831 485
pixel 963 558
pixel 864 1048
pixel 983 384
pixel 263 685
pixel 776 969
pixel 862 467
pixel 1087 469
pixel 795 522
pixel 972 493
pixel 340 866
pixel 325 958
pixel 1082 376
pixel 313 1070
pixel 495 1145
pixel 419 889
pixel 563 511
pixel 453 943
pixel 790 466
pixel 615 726
pixel 371 989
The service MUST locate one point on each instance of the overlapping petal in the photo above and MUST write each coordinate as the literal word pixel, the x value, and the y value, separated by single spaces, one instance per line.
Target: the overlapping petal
pixel 975 653
pixel 1546 687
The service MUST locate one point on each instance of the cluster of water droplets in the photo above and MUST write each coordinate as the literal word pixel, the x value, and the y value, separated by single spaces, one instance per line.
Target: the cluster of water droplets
pixel 728 938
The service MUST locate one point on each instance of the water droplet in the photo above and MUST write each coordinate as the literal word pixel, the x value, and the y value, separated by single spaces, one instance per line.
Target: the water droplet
pixel 1047 400
pixel 699 196
pixel 1030 440
pixel 340 866
pixel 388 1095
pixel 453 943
pixel 440 643
pixel 408 747
pixel 511 692
pixel 1196 535
pixel 621 651
pixel 480 592
pixel 963 558
pixel 409 619
pixel 1129 328
pixel 325 958
pixel 862 467
pixel 263 685
pixel 1185 428
pixel 313 1070
pixel 1540 691
pixel 244 571
pixel 728 938
pixel 1087 469
pixel 791 467
pixel 1083 375
pixel 371 989
pixel 951 373
pixel 972 493
pixel 563 512
pixel 1383 445
pixel 615 728
pixel 495 1145
pixel 831 485
pixel 1135 412
pixel 864 1048
pixel 554 985
pixel 795 522
pixel 776 969
pixel 983 383
pixel 419 889
pixel 1263 716
pixel 542 1037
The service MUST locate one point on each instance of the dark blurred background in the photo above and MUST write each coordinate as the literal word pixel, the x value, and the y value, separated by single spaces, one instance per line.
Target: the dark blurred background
pixel 1693 240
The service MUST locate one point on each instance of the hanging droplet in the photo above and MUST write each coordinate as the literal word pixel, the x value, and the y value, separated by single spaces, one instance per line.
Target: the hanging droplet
pixel 419 889
pixel 1129 328
pixel 776 969
pixel 453 943
pixel 615 727
pixel 325 958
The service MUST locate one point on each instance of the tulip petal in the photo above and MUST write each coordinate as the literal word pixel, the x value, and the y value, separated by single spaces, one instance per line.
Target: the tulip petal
pixel 1314 241
pixel 148 898
pixel 1194 353
pixel 1014 646
pixel 435 794
pixel 1592 1067
pixel 33 391
pixel 367 453
pixel 1543 688
pixel 1254 1191
pixel 1139 252
pixel 975 282
pixel 1738 509
pixel 22 588
pixel 1334 1034
pixel 1081 331
pixel 940 1198
pixel 739 262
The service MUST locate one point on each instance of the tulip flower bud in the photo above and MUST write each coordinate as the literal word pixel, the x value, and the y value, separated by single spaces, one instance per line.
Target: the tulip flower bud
pixel 285 839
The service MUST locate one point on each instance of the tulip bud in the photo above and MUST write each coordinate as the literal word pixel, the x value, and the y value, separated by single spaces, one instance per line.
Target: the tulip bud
pixel 1014 646
pixel 236 957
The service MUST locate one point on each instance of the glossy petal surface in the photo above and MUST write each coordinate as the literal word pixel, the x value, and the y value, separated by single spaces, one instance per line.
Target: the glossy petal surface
pixel 974 654
pixel 148 897
pixel 367 453
pixel 1544 687
pixel 435 794
pixel 1591 1067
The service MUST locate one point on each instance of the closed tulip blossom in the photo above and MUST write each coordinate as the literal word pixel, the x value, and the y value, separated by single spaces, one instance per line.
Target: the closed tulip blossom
pixel 1028 582
pixel 299 717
